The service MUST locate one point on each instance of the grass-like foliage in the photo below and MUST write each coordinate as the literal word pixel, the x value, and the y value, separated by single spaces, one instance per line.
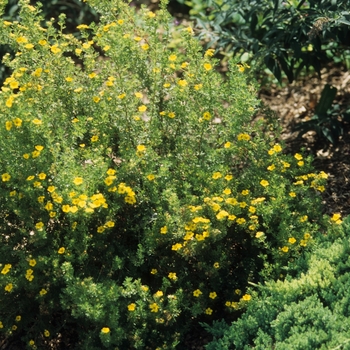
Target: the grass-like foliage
pixel 309 311
pixel 136 195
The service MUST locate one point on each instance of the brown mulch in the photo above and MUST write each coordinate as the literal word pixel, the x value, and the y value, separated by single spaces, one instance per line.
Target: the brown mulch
pixel 295 103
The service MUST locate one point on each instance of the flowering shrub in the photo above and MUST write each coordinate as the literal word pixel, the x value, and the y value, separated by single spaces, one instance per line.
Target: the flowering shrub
pixel 137 196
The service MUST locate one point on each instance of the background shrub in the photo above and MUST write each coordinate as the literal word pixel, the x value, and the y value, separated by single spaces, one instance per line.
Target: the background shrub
pixel 286 36
pixel 137 195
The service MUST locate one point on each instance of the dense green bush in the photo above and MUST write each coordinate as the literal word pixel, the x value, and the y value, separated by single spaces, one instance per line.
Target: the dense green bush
pixel 137 197
pixel 76 12
pixel 309 311
pixel 286 36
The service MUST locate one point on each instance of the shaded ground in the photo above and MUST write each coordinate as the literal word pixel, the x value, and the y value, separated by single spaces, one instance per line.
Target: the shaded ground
pixel 296 103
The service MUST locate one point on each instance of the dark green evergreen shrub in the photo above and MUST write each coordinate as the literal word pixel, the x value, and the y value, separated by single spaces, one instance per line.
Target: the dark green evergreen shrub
pixel 307 312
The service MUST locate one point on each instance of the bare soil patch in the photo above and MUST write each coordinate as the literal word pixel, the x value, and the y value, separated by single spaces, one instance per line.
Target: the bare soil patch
pixel 295 103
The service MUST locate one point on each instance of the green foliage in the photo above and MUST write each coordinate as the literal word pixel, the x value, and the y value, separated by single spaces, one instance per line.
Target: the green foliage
pixel 309 311
pixel 137 195
pixel 76 12
pixel 287 36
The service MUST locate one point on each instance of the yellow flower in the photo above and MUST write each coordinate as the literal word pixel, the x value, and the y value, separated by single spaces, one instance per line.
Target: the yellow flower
pixel 78 181
pixel 42 176
pixel 212 295
pixel 82 26
pixel 43 292
pixel 208 311
pixel 197 293
pixel 207 66
pixel 198 86
pixel 55 49
pixel 141 148
pixel 244 137
pixel 240 221
pixel 259 234
pixel 264 183
pixel 292 194
pixel 216 265
pixel 132 307
pixel 209 52
pixel 172 275
pixel 159 294
pixel 206 116
pixel 8 125
pixel 172 58
pixel 61 250
pixel 222 214
pixel 14 84
pixel 176 246
pixel 110 172
pixel 300 163
pixel 100 229
pixel 182 82
pixel 66 208
pixel 37 121
pixel 298 156
pixel 154 271
pixel 21 40
pixel 217 175
pixel 105 330
pixel 32 262
pixel 227 191
pixel 96 99
pixel 110 224
pixel 8 287
pixel 285 249
pixel 18 318
pixel 154 307
pixel 163 230
pixel 94 138
pixel 39 226
pixel 292 240
pixel 5 177
pixel 6 269
pixel 142 108
pixel 336 218
pixel 150 177
pixel 271 167
pixel 246 297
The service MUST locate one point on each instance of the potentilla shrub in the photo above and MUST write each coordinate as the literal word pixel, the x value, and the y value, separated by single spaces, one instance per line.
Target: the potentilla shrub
pixel 137 197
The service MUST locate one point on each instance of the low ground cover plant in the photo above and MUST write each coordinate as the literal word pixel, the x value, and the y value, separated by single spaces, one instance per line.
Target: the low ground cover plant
pixel 307 311
pixel 137 196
